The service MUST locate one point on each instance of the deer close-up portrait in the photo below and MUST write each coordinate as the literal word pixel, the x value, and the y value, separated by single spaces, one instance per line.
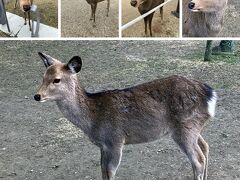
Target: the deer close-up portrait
pixel 203 18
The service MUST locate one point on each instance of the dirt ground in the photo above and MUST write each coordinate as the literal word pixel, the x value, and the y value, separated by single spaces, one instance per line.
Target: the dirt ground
pixel 76 23
pixel 48 11
pixel 169 27
pixel 36 142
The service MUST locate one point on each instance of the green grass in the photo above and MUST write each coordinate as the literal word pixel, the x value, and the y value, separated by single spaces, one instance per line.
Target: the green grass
pixel 2 34
pixel 230 59
pixel 48 11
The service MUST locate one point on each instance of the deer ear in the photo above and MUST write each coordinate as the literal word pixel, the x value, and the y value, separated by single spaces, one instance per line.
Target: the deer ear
pixel 47 60
pixel 74 65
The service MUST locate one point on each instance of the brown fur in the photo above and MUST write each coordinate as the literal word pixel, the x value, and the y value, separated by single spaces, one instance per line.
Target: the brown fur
pixel 173 105
pixel 25 6
pixel 207 21
pixel 93 4
pixel 143 7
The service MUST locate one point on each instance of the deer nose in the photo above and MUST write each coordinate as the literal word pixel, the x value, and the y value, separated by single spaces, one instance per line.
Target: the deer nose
pixel 37 97
pixel 133 3
pixel 26 7
pixel 191 5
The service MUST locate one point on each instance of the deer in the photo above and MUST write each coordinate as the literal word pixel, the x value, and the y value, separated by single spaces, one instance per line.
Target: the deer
pixel 143 7
pixel 173 105
pixel 93 4
pixel 25 6
pixel 203 18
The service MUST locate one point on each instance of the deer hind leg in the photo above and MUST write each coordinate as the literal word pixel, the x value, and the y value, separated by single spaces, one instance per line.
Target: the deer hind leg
pixel 188 142
pixel 108 5
pixel 150 17
pixel 205 149
pixel 110 160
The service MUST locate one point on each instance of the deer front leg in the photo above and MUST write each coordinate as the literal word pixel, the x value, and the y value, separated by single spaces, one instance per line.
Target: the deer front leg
pixel 150 17
pixel 92 9
pixel 29 21
pixel 110 160
pixel 108 5
pixel 25 17
pixel 15 6
pixel 161 12
pixel 145 25
pixel 94 14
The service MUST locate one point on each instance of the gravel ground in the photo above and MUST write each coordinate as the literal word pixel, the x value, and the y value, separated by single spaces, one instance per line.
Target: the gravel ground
pixel 231 27
pixel 36 142
pixel 169 27
pixel 76 15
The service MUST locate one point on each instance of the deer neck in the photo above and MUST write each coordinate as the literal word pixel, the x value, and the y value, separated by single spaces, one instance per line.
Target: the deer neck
pixel 74 107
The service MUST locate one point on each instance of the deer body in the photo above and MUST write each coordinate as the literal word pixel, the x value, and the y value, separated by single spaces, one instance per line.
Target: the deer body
pixel 143 7
pixel 111 119
pixel 93 4
pixel 25 6
pixel 203 18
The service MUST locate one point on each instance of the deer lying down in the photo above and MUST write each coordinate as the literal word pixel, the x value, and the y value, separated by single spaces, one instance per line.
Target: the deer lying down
pixel 93 4
pixel 173 105
pixel 25 6
pixel 203 18
pixel 143 7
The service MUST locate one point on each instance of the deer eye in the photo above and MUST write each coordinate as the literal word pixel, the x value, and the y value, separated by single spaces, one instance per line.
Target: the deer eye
pixel 56 81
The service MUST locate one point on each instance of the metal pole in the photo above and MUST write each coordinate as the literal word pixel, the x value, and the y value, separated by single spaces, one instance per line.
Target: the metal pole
pixel 5 15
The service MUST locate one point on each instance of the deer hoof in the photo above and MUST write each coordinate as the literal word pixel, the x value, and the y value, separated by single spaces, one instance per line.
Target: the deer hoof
pixel 94 25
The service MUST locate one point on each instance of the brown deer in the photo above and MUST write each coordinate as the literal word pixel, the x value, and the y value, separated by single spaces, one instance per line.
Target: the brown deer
pixel 25 6
pixel 93 4
pixel 173 105
pixel 203 18
pixel 145 6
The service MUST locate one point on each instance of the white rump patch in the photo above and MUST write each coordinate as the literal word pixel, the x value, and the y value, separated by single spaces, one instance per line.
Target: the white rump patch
pixel 212 104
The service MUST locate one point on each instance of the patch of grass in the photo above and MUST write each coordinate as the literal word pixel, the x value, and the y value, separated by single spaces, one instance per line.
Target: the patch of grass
pixel 48 11
pixel 230 59
pixel 2 34
pixel 197 55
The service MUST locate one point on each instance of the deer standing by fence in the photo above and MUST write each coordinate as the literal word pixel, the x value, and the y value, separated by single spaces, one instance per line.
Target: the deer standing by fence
pixel 111 119
pixel 203 18
pixel 145 6
pixel 93 4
